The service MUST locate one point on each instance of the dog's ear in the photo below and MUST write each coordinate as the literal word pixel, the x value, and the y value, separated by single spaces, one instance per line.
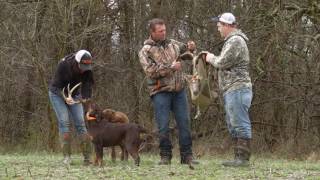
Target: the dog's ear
pixel 99 116
pixel 104 114
pixel 107 114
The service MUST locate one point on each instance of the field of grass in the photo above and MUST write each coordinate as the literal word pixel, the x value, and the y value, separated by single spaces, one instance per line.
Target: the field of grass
pixel 49 166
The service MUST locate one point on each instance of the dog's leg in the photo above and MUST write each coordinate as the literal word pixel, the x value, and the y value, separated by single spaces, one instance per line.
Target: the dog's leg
pixel 124 153
pixel 137 161
pixel 99 155
pixel 113 153
pixel 132 149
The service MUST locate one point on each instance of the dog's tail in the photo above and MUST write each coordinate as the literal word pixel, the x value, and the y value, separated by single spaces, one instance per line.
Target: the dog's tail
pixel 143 141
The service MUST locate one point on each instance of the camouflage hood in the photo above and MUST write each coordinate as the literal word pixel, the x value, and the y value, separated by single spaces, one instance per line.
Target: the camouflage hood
pixel 237 32
pixel 151 42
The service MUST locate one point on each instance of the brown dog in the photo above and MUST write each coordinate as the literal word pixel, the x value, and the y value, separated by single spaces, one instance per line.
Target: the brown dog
pixel 106 134
pixel 108 115
pixel 115 116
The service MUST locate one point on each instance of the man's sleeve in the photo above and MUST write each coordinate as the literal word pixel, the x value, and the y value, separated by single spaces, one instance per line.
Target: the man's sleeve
pixel 229 54
pixel 61 72
pixel 150 67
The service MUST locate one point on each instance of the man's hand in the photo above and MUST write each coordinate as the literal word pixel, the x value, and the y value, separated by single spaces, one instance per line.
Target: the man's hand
pixel 69 101
pixel 85 100
pixel 209 56
pixel 176 65
pixel 191 46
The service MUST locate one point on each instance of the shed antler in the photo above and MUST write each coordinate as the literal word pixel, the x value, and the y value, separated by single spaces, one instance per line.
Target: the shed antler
pixel 69 97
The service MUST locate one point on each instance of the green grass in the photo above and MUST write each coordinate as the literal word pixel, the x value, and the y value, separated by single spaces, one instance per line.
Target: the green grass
pixel 49 166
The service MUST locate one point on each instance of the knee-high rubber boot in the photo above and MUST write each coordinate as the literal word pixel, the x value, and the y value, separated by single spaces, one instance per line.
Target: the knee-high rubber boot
pixel 242 154
pixel 85 145
pixel 66 148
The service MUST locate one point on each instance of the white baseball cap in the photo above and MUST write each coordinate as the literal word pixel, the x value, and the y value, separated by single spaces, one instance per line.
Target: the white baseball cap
pixel 227 18
pixel 84 58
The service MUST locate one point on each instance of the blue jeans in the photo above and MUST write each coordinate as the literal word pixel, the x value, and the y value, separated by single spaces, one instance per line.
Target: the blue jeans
pixel 163 103
pixel 236 105
pixel 64 112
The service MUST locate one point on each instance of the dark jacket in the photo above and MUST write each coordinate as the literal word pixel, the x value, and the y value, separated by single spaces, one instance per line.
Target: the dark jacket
pixel 68 73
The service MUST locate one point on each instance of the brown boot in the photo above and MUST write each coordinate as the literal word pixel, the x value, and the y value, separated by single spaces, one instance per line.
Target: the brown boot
pixel 165 160
pixel 242 154
pixel 85 145
pixel 165 157
pixel 188 159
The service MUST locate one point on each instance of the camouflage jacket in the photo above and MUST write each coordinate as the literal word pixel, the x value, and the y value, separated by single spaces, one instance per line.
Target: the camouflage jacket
pixel 156 60
pixel 233 63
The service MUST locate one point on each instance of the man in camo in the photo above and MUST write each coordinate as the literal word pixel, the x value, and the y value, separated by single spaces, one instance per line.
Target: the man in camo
pixel 235 85
pixel 161 61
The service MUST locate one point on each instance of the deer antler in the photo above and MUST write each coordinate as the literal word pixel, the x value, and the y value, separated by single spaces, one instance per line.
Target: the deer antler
pixel 70 94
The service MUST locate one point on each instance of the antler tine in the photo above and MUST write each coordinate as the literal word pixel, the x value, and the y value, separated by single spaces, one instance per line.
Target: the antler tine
pixel 62 92
pixel 69 94
pixel 74 87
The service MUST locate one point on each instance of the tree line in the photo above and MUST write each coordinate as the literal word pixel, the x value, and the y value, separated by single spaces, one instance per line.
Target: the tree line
pixel 284 53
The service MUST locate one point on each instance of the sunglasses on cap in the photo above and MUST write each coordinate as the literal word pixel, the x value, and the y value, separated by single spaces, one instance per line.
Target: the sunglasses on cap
pixel 86 61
